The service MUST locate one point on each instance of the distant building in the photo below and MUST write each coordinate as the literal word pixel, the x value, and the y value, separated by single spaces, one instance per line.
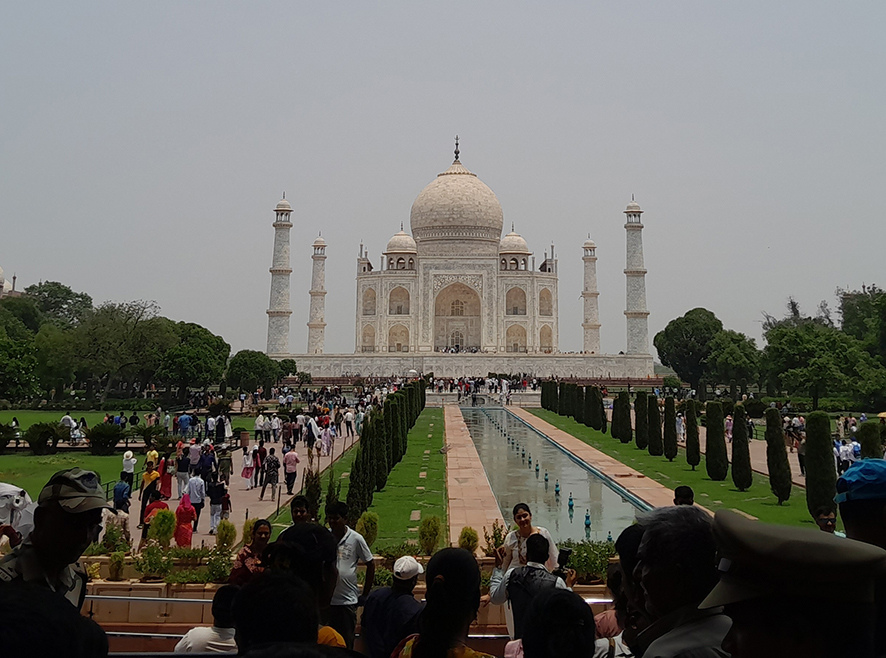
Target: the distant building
pixel 7 287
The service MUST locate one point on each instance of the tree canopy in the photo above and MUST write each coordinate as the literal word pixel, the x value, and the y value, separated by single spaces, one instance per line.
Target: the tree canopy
pixel 732 356
pixel 249 368
pixel 59 303
pixel 685 343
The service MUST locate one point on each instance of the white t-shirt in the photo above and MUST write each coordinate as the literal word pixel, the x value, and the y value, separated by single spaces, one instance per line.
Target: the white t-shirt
pixel 207 640
pixel 129 464
pixel 352 550
pixel 515 545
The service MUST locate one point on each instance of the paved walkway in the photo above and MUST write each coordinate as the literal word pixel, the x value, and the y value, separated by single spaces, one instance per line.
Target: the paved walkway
pixel 245 503
pixel 471 501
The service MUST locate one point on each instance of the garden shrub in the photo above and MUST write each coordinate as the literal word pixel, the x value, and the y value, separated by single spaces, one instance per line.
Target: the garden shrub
pixel 670 429
pixel 579 404
pixel 367 525
pixel 780 480
pixel 394 551
pixel 468 539
pixel 742 474
pixel 495 539
pixel 626 432
pixel 821 480
pixel 248 524
pixel 869 438
pixel 153 561
pixel 43 438
pixel 656 446
pixel 162 527
pixel 312 490
pixel 103 438
pixel 189 576
pixel 693 447
pixel 218 566
pixel 754 408
pixel 7 434
pixel 590 559
pixel 116 563
pixel 641 420
pixel 716 460
pixel 226 534
pixel 430 533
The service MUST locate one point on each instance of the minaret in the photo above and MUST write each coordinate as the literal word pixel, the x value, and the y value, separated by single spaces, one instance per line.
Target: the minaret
pixel 278 307
pixel 316 321
pixel 635 274
pixel 591 322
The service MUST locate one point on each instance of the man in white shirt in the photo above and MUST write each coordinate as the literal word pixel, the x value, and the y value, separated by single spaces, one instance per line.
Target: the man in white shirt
pixel 275 427
pixel 197 492
pixel 218 638
pixel 352 550
pixel 259 426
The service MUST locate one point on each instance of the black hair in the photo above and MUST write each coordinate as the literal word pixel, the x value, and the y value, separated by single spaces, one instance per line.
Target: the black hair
pixel 824 510
pixel 537 548
pixel 223 606
pixel 338 508
pixel 274 607
pixel 627 545
pixel 558 623
pixel 863 510
pixel 521 506
pixel 271 451
pixel 299 501
pixel 453 598
pixel 155 495
pixel 684 492
pixel 258 524
pixel 306 550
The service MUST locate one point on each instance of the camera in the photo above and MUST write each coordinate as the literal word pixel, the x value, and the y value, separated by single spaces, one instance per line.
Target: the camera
pixel 562 562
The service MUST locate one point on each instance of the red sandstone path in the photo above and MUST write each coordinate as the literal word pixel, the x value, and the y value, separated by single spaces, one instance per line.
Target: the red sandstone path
pixel 246 504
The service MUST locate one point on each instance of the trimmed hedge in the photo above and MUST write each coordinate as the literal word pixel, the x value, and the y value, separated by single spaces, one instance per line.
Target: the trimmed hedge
pixel 693 447
pixel 656 445
pixel 716 460
pixel 670 429
pixel 742 473
pixel 780 480
pixel 821 479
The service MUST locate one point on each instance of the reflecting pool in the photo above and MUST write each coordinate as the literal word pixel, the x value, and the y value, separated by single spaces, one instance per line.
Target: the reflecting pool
pixel 517 459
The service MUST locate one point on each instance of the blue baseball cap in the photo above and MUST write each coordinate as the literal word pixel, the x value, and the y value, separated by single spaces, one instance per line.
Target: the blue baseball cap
pixel 864 480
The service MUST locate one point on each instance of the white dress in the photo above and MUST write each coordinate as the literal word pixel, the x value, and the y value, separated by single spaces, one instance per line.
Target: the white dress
pixel 515 549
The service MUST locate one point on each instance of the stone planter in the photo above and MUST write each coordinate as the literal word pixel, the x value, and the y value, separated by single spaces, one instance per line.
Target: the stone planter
pixel 187 613
pixel 149 612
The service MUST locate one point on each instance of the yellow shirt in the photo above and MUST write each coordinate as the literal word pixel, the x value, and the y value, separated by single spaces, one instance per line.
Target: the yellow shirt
pixel 330 637
pixel 153 456
pixel 460 651
pixel 148 477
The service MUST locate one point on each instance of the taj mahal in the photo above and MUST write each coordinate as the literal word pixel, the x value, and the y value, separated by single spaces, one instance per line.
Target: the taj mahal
pixel 455 298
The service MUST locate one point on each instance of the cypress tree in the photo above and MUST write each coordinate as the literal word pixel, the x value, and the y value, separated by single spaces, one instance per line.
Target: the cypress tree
pixel 355 487
pixel 601 403
pixel 742 474
pixel 716 460
pixel 693 449
pixel 670 429
pixel 869 438
pixel 544 395
pixel 381 444
pixel 561 399
pixel 579 404
pixel 641 420
pixel 594 416
pixel 821 480
pixel 626 433
pixel 780 480
pixel 404 434
pixel 588 397
pixel 555 397
pixel 656 446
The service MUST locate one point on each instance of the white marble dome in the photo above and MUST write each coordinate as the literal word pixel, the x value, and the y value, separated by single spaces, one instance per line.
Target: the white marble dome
pixel 319 242
pixel 513 243
pixel 590 244
pixel 401 243
pixel 455 207
pixel 283 205
pixel 633 206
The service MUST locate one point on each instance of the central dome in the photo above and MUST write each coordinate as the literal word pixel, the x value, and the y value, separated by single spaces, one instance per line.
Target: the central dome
pixel 455 207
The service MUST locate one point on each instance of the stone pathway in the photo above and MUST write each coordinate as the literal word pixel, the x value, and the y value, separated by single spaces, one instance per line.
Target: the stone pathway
pixel 471 501
pixel 245 503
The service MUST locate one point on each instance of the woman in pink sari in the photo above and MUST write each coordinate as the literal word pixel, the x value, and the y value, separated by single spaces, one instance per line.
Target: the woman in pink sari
pixel 165 484
pixel 185 514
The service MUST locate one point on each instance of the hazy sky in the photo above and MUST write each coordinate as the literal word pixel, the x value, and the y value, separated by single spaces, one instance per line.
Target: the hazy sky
pixel 143 147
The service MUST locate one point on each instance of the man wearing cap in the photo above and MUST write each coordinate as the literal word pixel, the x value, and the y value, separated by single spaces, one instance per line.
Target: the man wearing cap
pixel 391 613
pixel 67 519
pixel 781 585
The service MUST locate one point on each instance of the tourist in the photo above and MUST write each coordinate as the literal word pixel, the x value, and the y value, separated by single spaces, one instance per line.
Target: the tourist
pixel 298 509
pixel 559 623
pixel 272 475
pixel 67 520
pixel 275 427
pixel 611 622
pixel 248 468
pixel 259 426
pixel 453 599
pixel 155 506
pixel 184 425
pixel 218 638
pixel 148 486
pixel 826 520
pixel 677 570
pixel 520 584
pixel 515 541
pixel 185 514
pixel 183 466
pixel 266 429
pixel 308 551
pixel 729 428
pixel 684 495
pixel 681 428
pixel 122 494
pixel 352 550
pixel 779 584
pixel 290 469
pixel 164 484
pixel 207 463
pixel 248 563
pixel 197 493
pixel 151 455
pixel 391 613
pixel 274 608
pixel 215 492
pixel 260 463
pixel 349 423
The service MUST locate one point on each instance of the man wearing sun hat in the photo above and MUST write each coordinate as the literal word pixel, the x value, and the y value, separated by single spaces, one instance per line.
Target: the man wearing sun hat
pixel 781 587
pixel 67 519
pixel 391 613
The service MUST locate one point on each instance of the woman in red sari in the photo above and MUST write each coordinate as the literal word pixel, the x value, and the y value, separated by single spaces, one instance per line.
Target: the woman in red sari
pixel 248 564
pixel 166 469
pixel 184 519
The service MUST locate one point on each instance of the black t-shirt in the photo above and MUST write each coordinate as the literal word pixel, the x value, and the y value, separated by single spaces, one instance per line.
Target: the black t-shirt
pixel 388 618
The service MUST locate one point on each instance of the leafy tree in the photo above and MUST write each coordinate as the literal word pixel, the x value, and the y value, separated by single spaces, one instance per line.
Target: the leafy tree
pixel 863 314
pixel 716 460
pixel 333 492
pixel 869 438
pixel 59 303
pixel 780 480
pixel 733 356
pixel 18 365
pixel 693 447
pixel 249 368
pixel 56 358
pixel 641 420
pixel 656 445
pixel 684 344
pixel 742 474
pixel 198 359
pixel 288 367
pixel 25 309
pixel 670 429
pixel 13 328
pixel 821 479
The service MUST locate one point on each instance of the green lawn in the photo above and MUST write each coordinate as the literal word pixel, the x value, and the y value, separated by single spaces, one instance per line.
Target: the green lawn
pixel 32 472
pixel 395 504
pixel 27 418
pixel 758 501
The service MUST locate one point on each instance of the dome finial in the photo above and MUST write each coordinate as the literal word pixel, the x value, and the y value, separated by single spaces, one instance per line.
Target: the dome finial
pixel 401 226
pixel 284 194
pixel 512 227
pixel 456 148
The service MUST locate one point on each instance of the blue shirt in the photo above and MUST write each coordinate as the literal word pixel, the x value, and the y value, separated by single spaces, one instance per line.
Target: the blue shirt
pixel 122 492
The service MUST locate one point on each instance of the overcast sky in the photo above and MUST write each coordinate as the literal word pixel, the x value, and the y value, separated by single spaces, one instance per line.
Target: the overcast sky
pixel 143 147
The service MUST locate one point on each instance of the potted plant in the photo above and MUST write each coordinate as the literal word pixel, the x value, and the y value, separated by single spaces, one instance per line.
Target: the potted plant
pixel 115 566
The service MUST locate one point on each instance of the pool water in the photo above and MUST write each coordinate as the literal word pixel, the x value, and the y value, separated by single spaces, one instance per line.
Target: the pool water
pixel 514 480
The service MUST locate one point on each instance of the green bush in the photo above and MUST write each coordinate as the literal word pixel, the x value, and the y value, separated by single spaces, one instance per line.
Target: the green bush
pixel 602 404
pixel 313 490
pixel 218 566
pixel 754 407
pixel 670 429
pixel 116 563
pixel 7 434
pixel 189 576
pixel 153 561
pixel 192 555
pixel 716 460
pixel 226 534
pixel 625 431
pixel 43 438
pixel 147 433
pixel 383 577
pixel 113 541
pixel 693 447
pixel 367 525
pixel 394 551
pixel 248 525
pixel 468 539
pixel 590 559
pixel 579 406
pixel 821 480
pixel 641 420
pixel 162 527
pixel 495 539
pixel 656 445
pixel 430 533
pixel 742 474
pixel 103 438
pixel 869 438
pixel 220 407
pixel 780 480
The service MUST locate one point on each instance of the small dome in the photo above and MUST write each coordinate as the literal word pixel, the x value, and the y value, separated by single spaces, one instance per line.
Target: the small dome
pixel 513 243
pixel 283 205
pixel 319 242
pixel 590 244
pixel 401 243
pixel 5 285
pixel 633 206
